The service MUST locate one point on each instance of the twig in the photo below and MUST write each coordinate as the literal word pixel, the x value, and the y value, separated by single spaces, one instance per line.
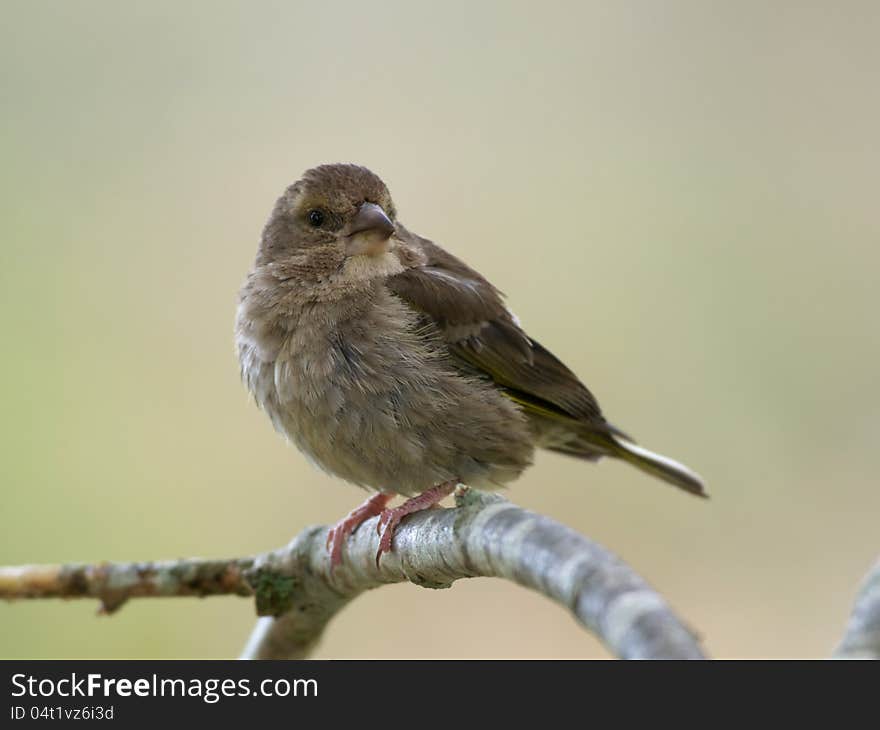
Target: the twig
pixel 114 583
pixel 484 536
pixel 862 637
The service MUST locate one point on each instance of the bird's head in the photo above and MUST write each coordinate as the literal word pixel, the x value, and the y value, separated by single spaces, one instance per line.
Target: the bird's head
pixel 336 223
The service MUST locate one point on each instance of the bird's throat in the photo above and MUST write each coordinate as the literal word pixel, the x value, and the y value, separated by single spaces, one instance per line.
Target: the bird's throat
pixel 362 268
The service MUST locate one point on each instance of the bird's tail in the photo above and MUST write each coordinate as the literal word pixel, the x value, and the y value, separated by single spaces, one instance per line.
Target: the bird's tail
pixel 659 466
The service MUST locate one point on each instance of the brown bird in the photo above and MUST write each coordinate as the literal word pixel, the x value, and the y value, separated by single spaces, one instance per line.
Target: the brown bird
pixel 394 365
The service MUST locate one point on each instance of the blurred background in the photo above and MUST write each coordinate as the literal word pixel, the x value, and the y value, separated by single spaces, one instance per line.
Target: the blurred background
pixel 679 198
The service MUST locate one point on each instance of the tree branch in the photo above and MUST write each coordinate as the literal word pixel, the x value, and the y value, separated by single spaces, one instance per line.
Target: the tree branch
pixel 484 536
pixel 862 637
pixel 114 583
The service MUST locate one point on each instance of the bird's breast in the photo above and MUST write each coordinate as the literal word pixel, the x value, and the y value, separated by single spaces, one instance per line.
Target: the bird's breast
pixel 346 391
pixel 375 400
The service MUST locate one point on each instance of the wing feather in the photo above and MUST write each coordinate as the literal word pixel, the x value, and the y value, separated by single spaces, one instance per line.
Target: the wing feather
pixel 485 336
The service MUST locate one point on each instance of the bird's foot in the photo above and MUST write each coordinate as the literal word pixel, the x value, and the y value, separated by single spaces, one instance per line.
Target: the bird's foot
pixel 341 530
pixel 391 518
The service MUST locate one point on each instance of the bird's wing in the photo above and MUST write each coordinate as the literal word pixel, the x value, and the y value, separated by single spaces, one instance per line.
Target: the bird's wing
pixel 484 335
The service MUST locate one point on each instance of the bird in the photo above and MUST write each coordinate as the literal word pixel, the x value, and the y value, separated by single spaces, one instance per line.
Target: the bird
pixel 392 364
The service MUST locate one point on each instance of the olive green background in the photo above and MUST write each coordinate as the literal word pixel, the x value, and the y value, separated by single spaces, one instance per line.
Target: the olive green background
pixel 679 198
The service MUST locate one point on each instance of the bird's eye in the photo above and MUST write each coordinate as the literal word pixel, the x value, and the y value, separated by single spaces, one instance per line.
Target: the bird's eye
pixel 316 218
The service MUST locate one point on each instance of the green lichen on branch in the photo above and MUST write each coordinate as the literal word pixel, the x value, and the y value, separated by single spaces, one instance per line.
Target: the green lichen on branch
pixel 274 593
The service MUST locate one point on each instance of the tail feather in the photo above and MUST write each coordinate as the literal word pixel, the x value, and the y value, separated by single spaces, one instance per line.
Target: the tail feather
pixel 592 441
pixel 659 466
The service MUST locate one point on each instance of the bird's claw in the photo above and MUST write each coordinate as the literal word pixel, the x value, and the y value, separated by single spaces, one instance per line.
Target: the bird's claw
pixel 388 521
pixel 337 534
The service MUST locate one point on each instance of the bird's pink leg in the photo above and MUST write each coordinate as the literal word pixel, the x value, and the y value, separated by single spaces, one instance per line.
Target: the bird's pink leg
pixel 391 518
pixel 342 529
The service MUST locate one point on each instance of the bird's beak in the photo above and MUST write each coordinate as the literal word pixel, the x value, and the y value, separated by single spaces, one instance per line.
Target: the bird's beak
pixel 369 231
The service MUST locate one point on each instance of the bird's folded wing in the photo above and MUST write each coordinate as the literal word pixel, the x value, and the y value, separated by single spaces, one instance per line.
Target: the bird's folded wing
pixel 484 335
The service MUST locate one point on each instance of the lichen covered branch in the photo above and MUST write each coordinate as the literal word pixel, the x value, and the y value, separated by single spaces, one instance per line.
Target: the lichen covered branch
pixel 484 536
